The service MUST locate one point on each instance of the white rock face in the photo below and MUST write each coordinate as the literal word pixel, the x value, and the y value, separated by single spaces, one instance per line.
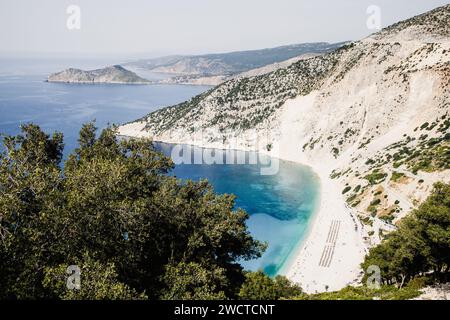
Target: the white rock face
pixel 371 117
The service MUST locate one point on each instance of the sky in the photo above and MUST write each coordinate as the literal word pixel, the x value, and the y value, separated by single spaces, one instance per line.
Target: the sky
pixel 129 28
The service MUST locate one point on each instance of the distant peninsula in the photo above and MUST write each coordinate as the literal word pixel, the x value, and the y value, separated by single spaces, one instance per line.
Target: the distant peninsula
pixel 114 74
pixel 216 68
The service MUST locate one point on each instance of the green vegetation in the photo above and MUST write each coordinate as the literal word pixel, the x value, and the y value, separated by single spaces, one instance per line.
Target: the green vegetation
pixel 335 152
pixel 420 245
pixel 364 143
pixel 365 293
pixel 346 189
pixel 349 64
pixel 100 281
pixel 111 209
pixel 375 177
pixel 436 21
pixel 424 125
pixel 137 233
pixel 258 286
pixel 372 209
pixel 407 256
pixel 388 218
pixel 427 154
pixel 258 97
pixel 396 164
pixel 367 221
pixel 351 198
pixel 396 176
pixel 354 204
pixel 335 174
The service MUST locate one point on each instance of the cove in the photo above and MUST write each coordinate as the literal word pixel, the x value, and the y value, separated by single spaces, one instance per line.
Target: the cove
pixel 280 206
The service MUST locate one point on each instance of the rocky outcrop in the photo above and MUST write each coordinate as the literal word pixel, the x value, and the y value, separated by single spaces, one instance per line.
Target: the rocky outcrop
pixel 114 74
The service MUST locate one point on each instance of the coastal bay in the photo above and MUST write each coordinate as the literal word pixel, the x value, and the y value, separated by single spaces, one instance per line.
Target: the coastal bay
pixel 280 206
pixel 304 263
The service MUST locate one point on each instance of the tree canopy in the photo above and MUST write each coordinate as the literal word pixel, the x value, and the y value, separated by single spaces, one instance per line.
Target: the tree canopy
pixel 420 245
pixel 258 286
pixel 111 209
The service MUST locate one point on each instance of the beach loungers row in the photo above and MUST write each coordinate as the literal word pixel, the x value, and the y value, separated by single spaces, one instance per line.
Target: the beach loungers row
pixel 328 250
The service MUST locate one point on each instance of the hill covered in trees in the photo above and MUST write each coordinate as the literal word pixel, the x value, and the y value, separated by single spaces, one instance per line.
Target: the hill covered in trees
pixel 113 74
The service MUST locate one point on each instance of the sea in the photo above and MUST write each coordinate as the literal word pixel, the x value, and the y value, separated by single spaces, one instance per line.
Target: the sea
pixel 280 206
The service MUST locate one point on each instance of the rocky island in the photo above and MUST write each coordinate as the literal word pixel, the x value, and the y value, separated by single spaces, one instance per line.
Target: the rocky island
pixel 114 74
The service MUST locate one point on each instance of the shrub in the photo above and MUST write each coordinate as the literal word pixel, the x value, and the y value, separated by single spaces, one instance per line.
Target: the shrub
pixel 375 202
pixel 375 177
pixel 396 176
pixel 346 189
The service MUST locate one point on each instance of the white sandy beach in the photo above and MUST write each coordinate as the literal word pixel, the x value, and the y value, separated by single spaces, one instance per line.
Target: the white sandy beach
pixel 342 257
pixel 326 259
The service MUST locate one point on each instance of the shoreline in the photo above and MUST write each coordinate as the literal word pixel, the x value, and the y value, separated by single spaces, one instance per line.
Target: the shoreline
pixel 294 256
pixel 310 267
pixel 316 264
pixel 138 83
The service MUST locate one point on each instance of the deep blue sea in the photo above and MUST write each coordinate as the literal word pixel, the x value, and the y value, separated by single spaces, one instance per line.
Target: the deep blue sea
pixel 280 206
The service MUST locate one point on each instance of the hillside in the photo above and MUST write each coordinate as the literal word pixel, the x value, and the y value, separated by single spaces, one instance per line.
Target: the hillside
pixel 219 67
pixel 114 74
pixel 372 117
pixel 215 80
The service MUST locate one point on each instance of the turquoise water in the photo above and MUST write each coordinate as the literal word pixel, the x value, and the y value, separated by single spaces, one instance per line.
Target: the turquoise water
pixel 280 206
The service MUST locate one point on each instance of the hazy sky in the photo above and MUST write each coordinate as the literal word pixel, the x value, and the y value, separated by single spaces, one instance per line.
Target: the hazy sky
pixel 139 27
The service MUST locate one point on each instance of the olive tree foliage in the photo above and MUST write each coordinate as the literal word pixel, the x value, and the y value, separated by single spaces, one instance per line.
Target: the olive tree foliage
pixel 188 281
pixel 111 207
pixel 100 282
pixel 420 245
pixel 258 286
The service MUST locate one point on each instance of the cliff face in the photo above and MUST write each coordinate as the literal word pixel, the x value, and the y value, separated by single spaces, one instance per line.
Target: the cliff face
pixel 113 74
pixel 374 114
